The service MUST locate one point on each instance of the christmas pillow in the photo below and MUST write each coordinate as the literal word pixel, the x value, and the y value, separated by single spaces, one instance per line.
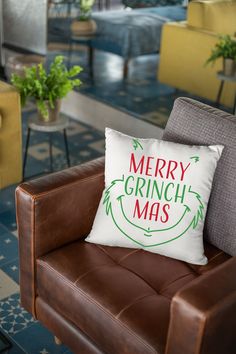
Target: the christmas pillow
pixel 155 197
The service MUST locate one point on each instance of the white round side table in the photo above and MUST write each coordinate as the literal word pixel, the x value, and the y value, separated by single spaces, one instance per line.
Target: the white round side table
pixel 47 127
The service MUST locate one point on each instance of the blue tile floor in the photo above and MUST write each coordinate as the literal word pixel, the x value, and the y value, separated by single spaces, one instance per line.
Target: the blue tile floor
pixel 26 334
pixel 141 95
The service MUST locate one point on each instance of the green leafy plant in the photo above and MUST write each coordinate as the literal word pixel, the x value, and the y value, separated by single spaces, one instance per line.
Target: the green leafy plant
pixel 225 48
pixel 45 86
pixel 85 9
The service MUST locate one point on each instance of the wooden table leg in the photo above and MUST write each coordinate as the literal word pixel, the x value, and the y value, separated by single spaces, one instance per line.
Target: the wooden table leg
pixel 70 49
pixel 100 5
pixel 90 60
pixel 126 69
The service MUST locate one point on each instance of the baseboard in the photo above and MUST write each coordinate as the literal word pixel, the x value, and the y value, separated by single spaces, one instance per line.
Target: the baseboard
pixel 100 115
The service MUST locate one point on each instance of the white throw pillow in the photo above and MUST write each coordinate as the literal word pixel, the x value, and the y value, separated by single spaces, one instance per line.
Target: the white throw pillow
pixel 155 197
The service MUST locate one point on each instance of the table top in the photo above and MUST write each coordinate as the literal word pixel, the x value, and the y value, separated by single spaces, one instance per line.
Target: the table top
pixel 224 77
pixel 82 38
pixel 61 2
pixel 35 123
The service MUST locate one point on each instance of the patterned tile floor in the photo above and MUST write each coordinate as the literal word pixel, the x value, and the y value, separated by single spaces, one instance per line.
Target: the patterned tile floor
pixel 141 95
pixel 85 143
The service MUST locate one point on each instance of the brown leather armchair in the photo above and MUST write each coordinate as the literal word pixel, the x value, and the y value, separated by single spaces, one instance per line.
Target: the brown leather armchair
pixel 112 300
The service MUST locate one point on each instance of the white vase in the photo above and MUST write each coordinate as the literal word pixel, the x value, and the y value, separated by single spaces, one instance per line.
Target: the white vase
pixel 53 113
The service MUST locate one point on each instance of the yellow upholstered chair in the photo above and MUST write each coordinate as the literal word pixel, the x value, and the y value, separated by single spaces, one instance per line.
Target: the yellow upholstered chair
pixel 10 136
pixel 185 47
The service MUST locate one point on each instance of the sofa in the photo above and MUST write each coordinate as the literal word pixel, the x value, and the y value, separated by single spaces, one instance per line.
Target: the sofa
pixel 10 136
pixel 111 300
pixel 186 45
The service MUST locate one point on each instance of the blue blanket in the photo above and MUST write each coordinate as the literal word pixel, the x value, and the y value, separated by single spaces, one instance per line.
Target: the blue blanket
pixel 136 32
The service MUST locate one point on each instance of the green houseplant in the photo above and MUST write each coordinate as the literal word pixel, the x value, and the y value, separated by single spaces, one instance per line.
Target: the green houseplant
pixel 84 25
pixel 85 9
pixel 225 48
pixel 47 88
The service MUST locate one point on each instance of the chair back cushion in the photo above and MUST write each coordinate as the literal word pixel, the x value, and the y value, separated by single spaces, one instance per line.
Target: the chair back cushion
pixel 192 122
pixel 213 15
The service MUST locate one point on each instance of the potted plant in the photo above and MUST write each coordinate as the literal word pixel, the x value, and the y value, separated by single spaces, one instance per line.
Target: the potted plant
pixel 47 88
pixel 84 25
pixel 226 49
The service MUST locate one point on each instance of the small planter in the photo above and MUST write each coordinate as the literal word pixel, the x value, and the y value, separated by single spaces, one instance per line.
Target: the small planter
pixel 83 28
pixel 17 64
pixel 53 113
pixel 229 67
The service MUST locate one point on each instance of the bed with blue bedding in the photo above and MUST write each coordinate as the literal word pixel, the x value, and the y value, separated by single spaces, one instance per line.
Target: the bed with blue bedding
pixel 133 33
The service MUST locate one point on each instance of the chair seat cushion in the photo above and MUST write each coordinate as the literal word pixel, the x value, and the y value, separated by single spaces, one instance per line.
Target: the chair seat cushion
pixel 119 297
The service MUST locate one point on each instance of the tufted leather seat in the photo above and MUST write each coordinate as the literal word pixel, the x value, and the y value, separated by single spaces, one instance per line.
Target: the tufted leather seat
pixel 115 284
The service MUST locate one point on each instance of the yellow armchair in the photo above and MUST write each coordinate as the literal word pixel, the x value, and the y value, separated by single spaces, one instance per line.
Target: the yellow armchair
pixel 186 46
pixel 10 136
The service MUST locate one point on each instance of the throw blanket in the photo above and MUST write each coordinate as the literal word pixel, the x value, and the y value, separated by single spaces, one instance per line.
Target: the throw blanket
pixel 136 32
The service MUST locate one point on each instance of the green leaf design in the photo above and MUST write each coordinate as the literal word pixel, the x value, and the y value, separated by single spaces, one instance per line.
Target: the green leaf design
pixel 107 199
pixel 195 158
pixel 137 144
pixel 196 216
pixel 199 214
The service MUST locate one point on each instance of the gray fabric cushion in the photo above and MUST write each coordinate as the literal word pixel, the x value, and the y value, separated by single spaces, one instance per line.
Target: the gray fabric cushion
pixel 192 122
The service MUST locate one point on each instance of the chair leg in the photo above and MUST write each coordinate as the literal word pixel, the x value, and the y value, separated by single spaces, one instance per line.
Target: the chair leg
pixel 57 341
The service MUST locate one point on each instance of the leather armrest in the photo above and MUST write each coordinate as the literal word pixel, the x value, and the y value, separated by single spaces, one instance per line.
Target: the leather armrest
pixel 203 314
pixel 53 211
